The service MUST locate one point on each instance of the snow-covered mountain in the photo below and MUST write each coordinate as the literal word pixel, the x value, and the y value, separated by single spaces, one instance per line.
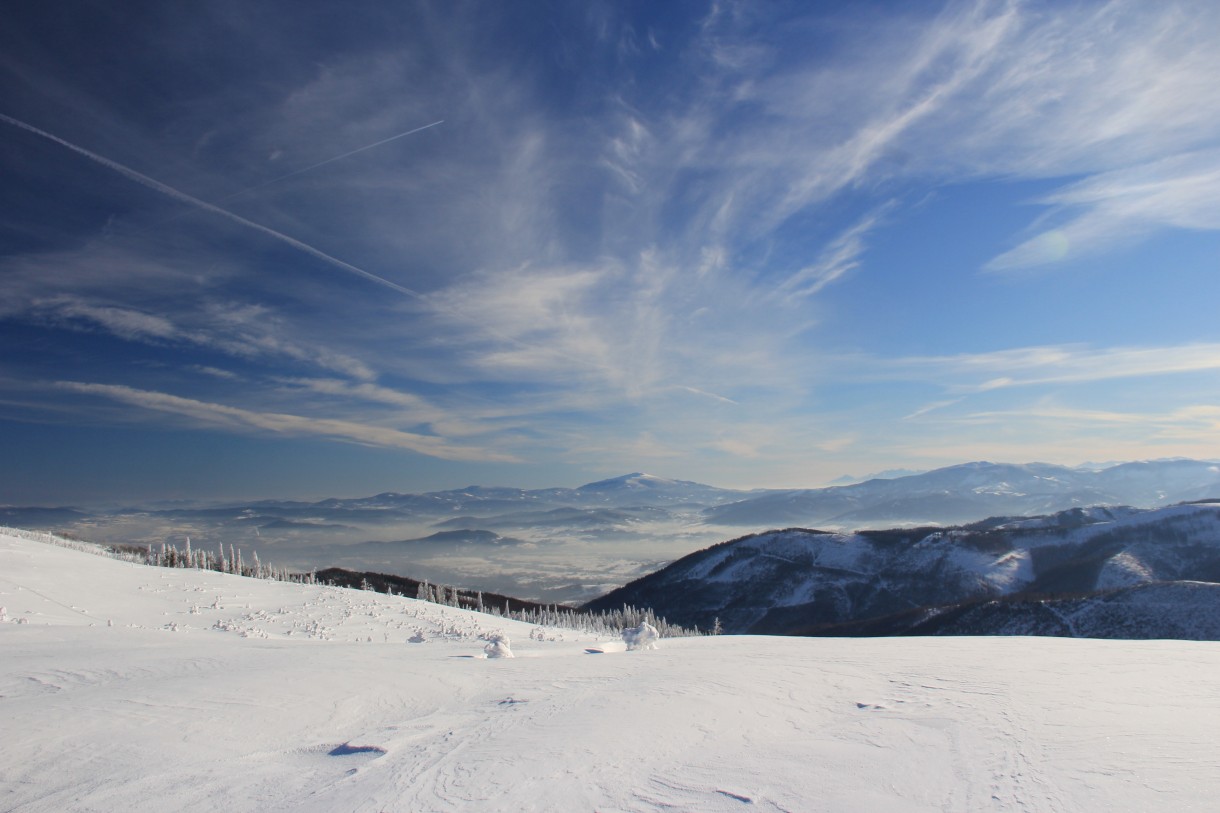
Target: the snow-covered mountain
pixel 801 582
pixel 973 491
pixel 1184 610
pixel 127 687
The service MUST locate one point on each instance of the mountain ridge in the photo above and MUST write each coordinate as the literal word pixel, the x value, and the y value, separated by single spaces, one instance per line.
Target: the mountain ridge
pixel 796 580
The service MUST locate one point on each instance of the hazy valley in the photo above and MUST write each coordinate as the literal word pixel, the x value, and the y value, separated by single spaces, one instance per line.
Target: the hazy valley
pixel 572 545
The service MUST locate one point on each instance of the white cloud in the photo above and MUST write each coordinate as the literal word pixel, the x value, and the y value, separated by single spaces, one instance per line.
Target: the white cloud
pixel 1117 208
pixel 241 331
pixel 839 257
pixel 585 270
pixel 216 372
pixel 363 402
pixel 203 413
pixel 1051 364
pixel 125 323
pixel 1119 92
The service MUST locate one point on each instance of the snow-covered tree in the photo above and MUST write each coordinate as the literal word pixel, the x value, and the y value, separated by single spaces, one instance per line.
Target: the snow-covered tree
pixel 497 646
pixel 642 637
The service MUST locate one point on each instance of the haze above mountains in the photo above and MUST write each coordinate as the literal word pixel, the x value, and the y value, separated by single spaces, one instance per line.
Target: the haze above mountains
pixel 574 544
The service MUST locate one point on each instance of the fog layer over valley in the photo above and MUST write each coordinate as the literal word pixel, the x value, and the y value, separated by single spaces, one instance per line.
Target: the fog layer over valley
pixel 559 545
pixel 575 544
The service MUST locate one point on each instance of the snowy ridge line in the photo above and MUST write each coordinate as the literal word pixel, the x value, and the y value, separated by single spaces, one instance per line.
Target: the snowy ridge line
pixel 604 622
pixel 608 621
pixel 72 544
pixel 807 582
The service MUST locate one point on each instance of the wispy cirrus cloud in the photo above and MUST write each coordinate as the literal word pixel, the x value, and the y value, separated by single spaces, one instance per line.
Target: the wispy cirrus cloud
pixel 619 248
pixel 203 413
pixel 840 256
pixel 1117 92
pixel 239 331
pixel 126 323
pixel 1033 366
pixel 1115 209
pixel 1084 432
pixel 378 404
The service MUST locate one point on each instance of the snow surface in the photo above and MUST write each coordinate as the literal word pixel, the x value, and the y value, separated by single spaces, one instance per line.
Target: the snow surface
pixel 126 687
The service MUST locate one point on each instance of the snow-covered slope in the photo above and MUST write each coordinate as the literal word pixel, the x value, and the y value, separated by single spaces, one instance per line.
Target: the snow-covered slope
pixel 1183 609
pixel 124 687
pixel 799 582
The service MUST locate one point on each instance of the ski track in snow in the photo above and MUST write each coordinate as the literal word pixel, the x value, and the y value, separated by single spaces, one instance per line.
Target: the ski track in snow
pixel 133 688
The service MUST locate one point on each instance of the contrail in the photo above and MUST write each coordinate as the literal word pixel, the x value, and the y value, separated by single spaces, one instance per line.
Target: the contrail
pixel 179 195
pixel 332 160
pixel 170 191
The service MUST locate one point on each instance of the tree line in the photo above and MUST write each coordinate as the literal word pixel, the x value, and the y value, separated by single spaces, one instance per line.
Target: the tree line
pixel 234 562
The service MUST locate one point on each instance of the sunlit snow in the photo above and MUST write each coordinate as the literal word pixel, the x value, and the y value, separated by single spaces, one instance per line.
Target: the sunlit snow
pixel 133 688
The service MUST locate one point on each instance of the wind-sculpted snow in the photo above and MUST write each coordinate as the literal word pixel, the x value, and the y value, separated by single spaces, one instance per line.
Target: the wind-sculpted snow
pixel 802 581
pixel 143 689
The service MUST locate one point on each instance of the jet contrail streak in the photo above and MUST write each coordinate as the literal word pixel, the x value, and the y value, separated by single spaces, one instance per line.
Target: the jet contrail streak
pixel 170 191
pixel 332 160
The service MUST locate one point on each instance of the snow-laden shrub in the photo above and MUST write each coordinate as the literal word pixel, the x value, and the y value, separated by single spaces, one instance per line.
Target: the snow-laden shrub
pixel 642 637
pixel 497 646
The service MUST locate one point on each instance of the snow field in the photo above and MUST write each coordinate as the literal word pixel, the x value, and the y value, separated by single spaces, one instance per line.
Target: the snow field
pixel 304 713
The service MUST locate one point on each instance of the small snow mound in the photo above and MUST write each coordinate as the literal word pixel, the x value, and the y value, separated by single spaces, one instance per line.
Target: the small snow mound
pixel 497 646
pixel 642 637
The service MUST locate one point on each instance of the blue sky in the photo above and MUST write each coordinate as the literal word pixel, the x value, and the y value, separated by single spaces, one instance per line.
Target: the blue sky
pixel 299 249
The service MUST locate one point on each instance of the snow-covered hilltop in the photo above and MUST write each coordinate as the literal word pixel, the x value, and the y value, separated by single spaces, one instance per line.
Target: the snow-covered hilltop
pixel 127 687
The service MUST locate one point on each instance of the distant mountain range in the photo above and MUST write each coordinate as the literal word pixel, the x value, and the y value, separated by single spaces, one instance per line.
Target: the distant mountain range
pixel 574 544
pixel 952 495
pixel 973 491
pixel 1097 572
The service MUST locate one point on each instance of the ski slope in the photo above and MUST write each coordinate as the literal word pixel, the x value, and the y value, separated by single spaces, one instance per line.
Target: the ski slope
pixel 126 687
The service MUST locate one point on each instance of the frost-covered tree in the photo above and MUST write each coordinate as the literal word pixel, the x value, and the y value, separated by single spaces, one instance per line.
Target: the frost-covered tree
pixel 642 637
pixel 497 646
